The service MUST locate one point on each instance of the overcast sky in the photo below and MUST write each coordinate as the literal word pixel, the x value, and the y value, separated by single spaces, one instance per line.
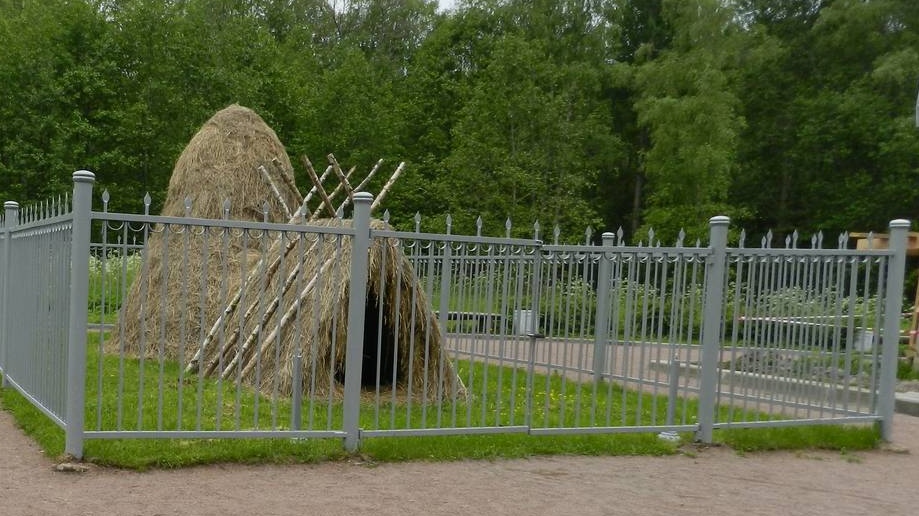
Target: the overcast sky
pixel 446 4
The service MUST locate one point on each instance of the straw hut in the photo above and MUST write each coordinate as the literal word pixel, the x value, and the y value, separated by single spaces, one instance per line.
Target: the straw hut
pixel 402 341
pixel 187 272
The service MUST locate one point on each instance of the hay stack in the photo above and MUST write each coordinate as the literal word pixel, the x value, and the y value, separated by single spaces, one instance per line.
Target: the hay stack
pixel 312 322
pixel 188 272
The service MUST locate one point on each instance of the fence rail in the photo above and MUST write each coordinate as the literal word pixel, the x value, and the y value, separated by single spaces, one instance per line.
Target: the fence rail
pixel 140 326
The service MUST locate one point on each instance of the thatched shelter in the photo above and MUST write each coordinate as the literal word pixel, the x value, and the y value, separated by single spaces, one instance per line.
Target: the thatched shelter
pixel 253 305
pixel 403 344
pixel 187 272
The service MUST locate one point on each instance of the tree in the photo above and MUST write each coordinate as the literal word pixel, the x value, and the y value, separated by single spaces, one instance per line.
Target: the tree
pixel 830 142
pixel 687 103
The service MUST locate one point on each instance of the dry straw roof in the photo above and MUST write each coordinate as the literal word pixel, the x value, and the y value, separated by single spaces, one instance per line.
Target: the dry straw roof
pixel 311 321
pixel 221 163
pixel 197 288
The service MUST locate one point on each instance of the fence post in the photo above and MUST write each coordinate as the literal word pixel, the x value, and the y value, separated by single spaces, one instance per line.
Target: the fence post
pixel 601 331
pixel 11 219
pixel 446 272
pixel 357 304
pixel 711 325
pixel 79 298
pixel 890 337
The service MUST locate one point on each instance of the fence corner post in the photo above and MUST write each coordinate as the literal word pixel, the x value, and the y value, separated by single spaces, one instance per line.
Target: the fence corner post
pixel 711 325
pixel 357 304
pixel 11 219
pixel 79 297
pixel 890 335
pixel 601 330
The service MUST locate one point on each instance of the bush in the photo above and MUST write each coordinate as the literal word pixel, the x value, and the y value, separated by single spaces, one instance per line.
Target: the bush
pixel 110 276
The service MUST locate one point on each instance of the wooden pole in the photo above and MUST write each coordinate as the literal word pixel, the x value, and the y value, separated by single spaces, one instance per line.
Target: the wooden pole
pixel 279 328
pixel 288 177
pixel 373 171
pixel 392 180
pixel 343 180
pixel 271 270
pixel 339 188
pixel 318 185
pixel 274 189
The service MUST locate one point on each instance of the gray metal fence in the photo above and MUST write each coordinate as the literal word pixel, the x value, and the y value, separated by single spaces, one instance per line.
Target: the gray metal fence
pixel 140 326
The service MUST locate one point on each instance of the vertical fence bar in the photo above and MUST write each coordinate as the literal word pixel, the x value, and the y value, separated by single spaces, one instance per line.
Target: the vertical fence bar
pixel 893 305
pixel 11 219
pixel 601 333
pixel 711 325
pixel 357 301
pixel 79 296
pixel 533 329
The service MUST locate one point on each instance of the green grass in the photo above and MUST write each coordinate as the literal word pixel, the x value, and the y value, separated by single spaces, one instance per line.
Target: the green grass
pixel 557 401
pixel 836 438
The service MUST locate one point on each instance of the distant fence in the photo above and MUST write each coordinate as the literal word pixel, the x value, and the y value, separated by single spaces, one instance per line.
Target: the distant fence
pixel 352 330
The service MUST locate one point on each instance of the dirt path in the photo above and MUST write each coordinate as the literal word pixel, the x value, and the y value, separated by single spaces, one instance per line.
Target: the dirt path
pixel 710 482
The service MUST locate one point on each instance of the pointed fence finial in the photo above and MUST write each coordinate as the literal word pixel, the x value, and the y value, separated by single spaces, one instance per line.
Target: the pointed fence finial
pixel 841 240
pixel 794 239
pixel 105 199
pixel 226 208
pixel 478 226
pixel 619 236
pixel 386 216
pixel 556 232
pixel 417 222
pixel 507 227
pixel 147 201
pixel 449 222
pixel 742 238
pixel 536 230
pixel 680 237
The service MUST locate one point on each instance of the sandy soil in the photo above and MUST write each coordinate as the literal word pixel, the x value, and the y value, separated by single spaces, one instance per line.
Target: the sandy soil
pixel 713 481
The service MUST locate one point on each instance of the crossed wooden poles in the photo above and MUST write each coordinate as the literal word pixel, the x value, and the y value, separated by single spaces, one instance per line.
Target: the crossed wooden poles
pixel 228 358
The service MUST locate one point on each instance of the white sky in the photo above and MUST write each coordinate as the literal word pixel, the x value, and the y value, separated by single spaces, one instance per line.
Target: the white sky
pixel 446 4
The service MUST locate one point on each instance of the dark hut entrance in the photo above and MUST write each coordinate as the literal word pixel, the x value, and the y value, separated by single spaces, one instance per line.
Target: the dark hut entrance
pixel 372 353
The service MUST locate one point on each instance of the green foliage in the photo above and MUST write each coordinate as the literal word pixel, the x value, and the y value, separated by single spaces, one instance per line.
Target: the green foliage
pixel 642 113
pixel 110 278
pixel 687 102
pixel 568 309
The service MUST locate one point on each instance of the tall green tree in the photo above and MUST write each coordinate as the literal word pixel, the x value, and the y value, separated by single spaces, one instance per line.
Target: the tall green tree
pixel 59 85
pixel 686 100
pixel 830 140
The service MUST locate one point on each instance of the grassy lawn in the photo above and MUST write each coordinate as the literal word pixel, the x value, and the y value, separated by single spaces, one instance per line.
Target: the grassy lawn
pixel 131 400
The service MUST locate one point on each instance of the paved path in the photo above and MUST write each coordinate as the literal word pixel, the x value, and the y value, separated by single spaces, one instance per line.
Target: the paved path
pixel 707 482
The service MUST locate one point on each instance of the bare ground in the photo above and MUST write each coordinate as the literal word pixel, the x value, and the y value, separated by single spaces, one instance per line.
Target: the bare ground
pixel 712 481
